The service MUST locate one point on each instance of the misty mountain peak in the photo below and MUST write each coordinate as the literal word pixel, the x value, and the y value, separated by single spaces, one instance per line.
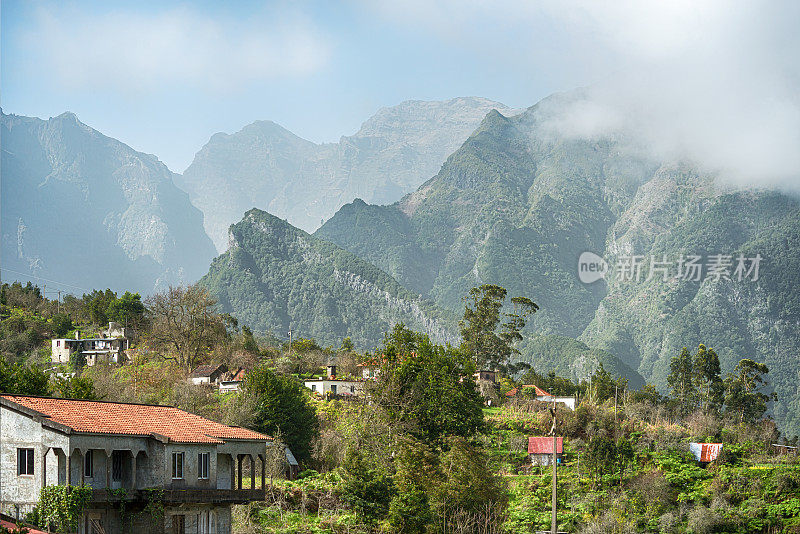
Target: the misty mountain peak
pixel 267 166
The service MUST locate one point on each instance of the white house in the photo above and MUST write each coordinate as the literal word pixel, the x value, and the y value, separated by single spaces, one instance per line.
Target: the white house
pixel 196 464
pixel 208 374
pixel 542 395
pixel 331 385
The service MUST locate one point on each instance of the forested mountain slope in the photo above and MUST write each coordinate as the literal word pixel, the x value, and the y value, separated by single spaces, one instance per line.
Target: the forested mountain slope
pixel 518 203
pixel 87 210
pixel 275 276
pixel 267 167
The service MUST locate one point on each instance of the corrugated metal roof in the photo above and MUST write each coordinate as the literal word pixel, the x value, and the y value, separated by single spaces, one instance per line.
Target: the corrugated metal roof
pixel 544 445
pixel 290 459
pixel 705 452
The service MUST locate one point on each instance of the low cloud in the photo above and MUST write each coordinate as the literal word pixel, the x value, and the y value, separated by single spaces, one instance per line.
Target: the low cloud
pixel 705 82
pixel 708 81
pixel 136 52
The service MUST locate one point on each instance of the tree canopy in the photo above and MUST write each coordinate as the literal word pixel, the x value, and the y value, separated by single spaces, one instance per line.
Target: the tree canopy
pixel 282 407
pixel 489 347
pixel 428 388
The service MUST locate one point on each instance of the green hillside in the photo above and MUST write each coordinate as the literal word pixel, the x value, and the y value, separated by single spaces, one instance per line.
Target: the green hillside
pixel 518 203
pixel 275 276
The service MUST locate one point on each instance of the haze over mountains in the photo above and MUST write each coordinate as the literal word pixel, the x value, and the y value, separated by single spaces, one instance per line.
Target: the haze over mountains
pixel 266 166
pixel 514 203
pixel 88 211
pixel 517 205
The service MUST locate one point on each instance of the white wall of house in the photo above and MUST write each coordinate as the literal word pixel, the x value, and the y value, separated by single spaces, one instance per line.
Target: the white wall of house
pixel 60 350
pixel 569 402
pixel 336 387
pixel 542 459
pixel 230 386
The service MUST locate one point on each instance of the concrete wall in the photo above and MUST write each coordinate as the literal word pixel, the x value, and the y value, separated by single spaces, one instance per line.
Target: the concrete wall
pixel 202 519
pixel 342 386
pixel 59 351
pixel 543 459
pixel 190 465
pixel 18 431
pixel 224 472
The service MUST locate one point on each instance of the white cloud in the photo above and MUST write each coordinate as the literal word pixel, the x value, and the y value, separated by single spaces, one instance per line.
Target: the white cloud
pixel 711 81
pixel 136 52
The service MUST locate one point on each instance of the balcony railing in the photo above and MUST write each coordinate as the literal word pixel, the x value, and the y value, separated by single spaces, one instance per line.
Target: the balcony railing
pixel 184 495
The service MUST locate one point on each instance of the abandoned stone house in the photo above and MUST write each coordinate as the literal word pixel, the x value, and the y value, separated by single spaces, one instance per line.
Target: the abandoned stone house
pixel 197 465
pixel 540 450
pixel 110 347
pixel 335 386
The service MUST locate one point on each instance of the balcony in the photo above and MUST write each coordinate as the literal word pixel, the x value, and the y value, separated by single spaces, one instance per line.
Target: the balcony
pixel 185 495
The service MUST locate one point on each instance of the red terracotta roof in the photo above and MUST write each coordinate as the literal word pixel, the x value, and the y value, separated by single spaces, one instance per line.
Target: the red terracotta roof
pixel 539 391
pixel 133 419
pixel 544 445
pixel 10 525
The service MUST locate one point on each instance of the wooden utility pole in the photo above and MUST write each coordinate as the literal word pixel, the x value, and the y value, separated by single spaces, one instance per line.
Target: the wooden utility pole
pixel 554 523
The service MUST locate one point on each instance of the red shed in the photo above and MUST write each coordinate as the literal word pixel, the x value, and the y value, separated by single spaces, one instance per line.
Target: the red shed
pixel 540 449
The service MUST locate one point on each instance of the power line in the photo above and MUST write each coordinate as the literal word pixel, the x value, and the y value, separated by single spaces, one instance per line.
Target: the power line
pixel 45 279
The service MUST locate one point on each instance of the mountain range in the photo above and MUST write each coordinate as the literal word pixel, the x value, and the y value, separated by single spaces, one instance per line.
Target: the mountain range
pixel 83 211
pixel 513 201
pixel 268 167
pixel 274 277
pixel 518 204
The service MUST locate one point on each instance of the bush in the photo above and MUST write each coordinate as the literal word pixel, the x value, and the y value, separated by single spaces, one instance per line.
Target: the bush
pixel 365 487
pixel 282 406
pixel 608 523
pixel 703 520
pixel 410 513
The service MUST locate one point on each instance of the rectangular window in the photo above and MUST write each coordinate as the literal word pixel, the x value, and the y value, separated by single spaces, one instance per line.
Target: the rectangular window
pixel 202 465
pixel 333 389
pixel 178 523
pixel 88 465
pixel 116 466
pixel 313 387
pixel 177 465
pixel 25 461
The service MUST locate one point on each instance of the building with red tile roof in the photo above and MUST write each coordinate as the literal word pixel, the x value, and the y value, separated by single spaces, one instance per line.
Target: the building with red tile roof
pixel 197 463
pixel 542 395
pixel 11 524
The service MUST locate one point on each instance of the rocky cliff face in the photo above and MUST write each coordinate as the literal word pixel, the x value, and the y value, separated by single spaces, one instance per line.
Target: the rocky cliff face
pixel 517 204
pixel 89 211
pixel 268 167
pixel 274 276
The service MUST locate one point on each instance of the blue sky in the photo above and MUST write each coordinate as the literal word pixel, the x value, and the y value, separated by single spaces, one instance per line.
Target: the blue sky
pixel 163 77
